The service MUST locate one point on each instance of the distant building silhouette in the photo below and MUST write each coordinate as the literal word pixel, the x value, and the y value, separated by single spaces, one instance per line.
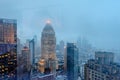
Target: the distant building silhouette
pixel 44 77
pixel 8 49
pixel 32 51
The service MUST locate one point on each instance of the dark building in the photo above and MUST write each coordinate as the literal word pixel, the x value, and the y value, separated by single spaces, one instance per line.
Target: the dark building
pixel 72 61
pixel 26 59
pixel 8 49
pixel 32 51
pixel 102 68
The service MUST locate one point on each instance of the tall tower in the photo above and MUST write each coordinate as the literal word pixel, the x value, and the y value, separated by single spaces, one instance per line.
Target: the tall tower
pixel 32 51
pixel 72 61
pixel 48 45
pixel 8 49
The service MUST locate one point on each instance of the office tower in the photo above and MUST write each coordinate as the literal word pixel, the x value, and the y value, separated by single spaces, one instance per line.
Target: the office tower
pixel 72 61
pixel 26 59
pixel 18 46
pixel 48 44
pixel 18 58
pixel 102 67
pixel 32 51
pixel 36 44
pixel 8 49
pixel 65 58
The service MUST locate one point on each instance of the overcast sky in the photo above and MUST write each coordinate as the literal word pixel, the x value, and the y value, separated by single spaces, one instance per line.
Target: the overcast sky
pixel 96 20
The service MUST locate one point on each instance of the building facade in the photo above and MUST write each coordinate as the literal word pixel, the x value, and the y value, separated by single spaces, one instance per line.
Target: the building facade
pixel 26 59
pixel 8 49
pixel 104 57
pixel 32 51
pixel 8 31
pixel 48 45
pixel 102 67
pixel 72 61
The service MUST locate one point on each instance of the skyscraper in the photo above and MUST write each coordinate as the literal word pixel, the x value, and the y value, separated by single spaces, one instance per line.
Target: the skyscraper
pixel 62 47
pixel 26 58
pixel 72 61
pixel 48 44
pixel 32 51
pixel 36 44
pixel 104 57
pixel 8 49
pixel 65 58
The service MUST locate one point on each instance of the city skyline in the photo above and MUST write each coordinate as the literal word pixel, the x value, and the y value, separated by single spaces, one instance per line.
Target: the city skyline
pixel 98 21
pixel 59 40
pixel 73 53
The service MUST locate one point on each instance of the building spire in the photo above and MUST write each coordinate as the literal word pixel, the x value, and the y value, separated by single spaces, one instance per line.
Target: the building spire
pixel 48 21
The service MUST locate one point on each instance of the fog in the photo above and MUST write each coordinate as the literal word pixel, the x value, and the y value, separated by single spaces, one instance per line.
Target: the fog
pixel 97 21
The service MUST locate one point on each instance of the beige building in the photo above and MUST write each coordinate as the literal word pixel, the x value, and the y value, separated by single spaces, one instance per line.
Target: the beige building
pixel 102 67
pixel 48 53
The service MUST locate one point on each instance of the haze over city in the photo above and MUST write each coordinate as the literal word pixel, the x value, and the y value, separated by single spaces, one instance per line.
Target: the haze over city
pixel 59 40
pixel 97 21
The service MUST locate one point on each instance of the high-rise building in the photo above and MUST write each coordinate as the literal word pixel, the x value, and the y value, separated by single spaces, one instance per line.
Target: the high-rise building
pixel 8 49
pixel 65 58
pixel 48 45
pixel 32 51
pixel 26 59
pixel 8 31
pixel 72 61
pixel 102 67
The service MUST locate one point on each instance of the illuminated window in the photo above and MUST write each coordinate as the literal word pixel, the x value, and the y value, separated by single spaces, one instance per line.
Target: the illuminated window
pixel 6 55
pixel 2 70
pixel 3 56
pixel 6 68
pixel 2 66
